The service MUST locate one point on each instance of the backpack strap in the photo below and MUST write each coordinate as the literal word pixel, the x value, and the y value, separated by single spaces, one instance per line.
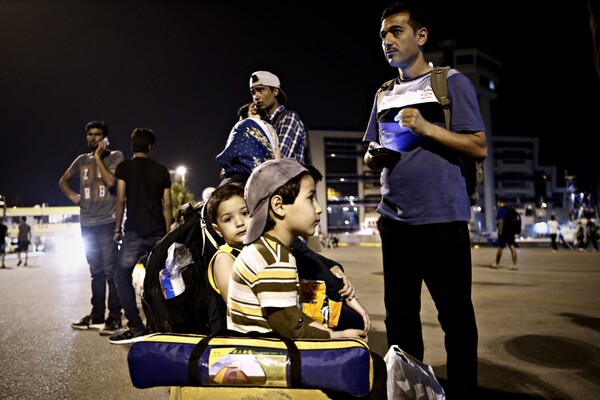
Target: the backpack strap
pixel 439 85
pixel 205 233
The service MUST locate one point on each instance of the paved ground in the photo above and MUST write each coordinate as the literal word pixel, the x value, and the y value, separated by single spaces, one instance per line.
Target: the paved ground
pixel 539 327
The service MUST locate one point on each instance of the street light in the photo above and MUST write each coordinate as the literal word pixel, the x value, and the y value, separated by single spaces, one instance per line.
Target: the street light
pixel 181 170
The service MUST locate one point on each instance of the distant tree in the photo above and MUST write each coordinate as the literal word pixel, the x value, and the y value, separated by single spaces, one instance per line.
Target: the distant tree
pixel 180 195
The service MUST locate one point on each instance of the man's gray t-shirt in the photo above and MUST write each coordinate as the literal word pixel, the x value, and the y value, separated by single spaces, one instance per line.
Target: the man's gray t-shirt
pixel 97 204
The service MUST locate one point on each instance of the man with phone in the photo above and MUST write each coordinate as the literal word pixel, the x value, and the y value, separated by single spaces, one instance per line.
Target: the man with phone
pixel 425 208
pixel 96 199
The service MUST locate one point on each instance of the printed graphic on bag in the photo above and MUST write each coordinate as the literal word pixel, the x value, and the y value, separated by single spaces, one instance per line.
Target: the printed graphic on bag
pixel 247 366
pixel 317 305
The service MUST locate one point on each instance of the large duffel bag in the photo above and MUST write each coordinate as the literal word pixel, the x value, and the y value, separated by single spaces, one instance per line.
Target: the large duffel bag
pixel 230 359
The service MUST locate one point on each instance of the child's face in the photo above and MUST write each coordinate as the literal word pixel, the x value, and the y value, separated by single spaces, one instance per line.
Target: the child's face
pixel 305 213
pixel 232 221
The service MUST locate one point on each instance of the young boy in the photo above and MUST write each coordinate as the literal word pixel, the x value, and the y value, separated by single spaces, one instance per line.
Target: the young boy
pixel 229 213
pixel 263 291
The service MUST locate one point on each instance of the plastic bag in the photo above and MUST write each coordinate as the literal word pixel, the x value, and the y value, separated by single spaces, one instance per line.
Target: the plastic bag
pixel 409 378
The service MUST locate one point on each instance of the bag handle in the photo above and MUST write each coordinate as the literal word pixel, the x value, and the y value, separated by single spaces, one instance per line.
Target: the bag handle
pixel 293 352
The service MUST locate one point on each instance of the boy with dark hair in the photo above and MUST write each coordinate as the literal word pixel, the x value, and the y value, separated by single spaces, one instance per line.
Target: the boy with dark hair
pixel 263 288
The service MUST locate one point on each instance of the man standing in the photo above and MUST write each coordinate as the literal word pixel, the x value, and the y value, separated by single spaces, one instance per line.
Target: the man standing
pixel 425 207
pixel 96 200
pixel 268 96
pixel 506 235
pixel 3 235
pixel 144 189
pixel 553 229
pixel 23 240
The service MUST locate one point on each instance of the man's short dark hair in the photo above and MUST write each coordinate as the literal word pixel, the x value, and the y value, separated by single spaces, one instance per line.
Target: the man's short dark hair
pixel 102 125
pixel 418 18
pixel 142 139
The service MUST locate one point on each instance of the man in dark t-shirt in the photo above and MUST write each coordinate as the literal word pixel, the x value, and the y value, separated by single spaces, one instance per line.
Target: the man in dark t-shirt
pixel 3 234
pixel 144 189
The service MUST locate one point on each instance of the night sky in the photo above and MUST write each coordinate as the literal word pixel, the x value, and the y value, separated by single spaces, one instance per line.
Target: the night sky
pixel 182 69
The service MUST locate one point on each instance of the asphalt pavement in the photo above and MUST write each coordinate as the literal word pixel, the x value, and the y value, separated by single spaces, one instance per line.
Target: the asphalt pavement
pixel 539 327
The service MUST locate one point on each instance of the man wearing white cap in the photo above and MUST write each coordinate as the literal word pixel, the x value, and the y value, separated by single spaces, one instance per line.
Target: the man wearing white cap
pixel 268 96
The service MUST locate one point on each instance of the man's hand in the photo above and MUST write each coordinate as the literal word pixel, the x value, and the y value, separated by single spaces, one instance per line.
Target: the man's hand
pixel 411 118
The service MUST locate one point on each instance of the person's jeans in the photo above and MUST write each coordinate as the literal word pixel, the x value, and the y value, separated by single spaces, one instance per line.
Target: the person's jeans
pixel 440 256
pixel 133 248
pixel 101 255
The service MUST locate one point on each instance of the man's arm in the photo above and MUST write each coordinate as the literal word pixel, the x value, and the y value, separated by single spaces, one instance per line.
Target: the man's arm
pixel 63 184
pixel 121 203
pixel 108 175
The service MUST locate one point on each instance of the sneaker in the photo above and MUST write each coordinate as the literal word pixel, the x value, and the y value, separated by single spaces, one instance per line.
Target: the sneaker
pixel 127 336
pixel 112 326
pixel 19 263
pixel 86 323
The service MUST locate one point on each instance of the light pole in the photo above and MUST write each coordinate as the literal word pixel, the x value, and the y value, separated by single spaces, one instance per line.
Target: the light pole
pixel 181 170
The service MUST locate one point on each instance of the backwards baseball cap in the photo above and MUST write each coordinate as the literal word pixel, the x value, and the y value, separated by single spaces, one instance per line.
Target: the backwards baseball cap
pixel 266 78
pixel 263 182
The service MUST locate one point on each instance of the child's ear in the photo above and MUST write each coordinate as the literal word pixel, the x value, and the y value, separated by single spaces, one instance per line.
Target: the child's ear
pixel 216 228
pixel 277 205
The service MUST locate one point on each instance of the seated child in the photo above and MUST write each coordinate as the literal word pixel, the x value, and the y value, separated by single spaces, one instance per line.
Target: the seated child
pixel 263 292
pixel 227 209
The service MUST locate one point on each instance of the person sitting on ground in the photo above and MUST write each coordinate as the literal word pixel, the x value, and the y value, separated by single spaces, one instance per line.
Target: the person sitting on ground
pixel 263 291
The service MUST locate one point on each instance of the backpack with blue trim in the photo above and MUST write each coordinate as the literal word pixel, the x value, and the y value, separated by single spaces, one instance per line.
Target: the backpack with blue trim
pixel 195 310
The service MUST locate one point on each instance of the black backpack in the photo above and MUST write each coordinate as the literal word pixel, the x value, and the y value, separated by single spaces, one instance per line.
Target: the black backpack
pixel 471 169
pixel 194 310
pixel 512 224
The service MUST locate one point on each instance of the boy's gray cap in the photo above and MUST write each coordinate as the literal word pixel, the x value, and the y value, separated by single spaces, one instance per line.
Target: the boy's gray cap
pixel 266 78
pixel 263 182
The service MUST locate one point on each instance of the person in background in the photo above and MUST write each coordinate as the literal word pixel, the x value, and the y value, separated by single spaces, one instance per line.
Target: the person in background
pixel 270 98
pixel 580 236
pixel 505 236
pixel 96 200
pixel 591 234
pixel 23 240
pixel 553 229
pixel 3 235
pixel 425 207
pixel 144 189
